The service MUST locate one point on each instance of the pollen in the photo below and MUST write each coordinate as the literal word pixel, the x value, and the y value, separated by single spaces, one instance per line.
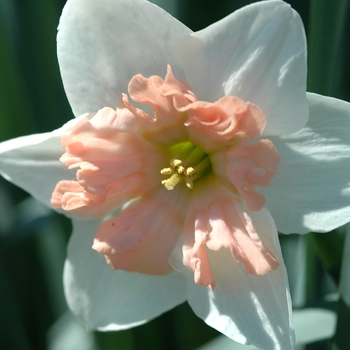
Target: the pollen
pixel 178 174
pixel 189 164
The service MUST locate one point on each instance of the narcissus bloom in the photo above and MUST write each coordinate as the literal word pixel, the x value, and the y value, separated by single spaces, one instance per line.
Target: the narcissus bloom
pixel 182 145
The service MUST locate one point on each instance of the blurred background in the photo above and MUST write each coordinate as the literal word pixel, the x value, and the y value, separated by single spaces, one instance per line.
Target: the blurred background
pixel 33 239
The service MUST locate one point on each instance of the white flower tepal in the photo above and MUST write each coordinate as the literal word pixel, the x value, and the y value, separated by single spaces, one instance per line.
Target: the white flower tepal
pixel 230 132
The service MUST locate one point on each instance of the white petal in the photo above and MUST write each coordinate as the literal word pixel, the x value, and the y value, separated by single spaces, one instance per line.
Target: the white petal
pixel 246 308
pixel 311 191
pixel 103 44
pixel 258 53
pixel 32 162
pixel 108 299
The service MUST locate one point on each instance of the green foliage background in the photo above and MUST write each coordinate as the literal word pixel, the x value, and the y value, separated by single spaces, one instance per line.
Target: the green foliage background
pixel 33 313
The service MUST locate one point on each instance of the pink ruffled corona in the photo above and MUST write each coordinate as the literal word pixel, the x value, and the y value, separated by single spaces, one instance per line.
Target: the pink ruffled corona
pixel 205 156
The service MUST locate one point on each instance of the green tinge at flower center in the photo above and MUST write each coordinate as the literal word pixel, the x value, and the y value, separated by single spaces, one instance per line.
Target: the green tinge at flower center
pixel 188 164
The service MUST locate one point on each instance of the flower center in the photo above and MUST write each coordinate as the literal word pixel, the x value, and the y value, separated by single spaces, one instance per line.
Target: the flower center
pixel 188 164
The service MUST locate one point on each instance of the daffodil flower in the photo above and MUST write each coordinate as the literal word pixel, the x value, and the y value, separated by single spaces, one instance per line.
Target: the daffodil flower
pixel 182 145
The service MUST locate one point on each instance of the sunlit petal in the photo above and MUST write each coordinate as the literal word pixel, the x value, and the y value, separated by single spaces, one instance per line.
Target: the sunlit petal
pixel 32 162
pixel 313 179
pixel 103 44
pixel 99 295
pixel 249 309
pixel 257 53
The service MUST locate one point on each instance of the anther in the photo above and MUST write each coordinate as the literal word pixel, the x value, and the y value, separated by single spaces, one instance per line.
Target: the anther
pixel 175 162
pixel 181 171
pixel 171 182
pixel 167 171
pixel 189 171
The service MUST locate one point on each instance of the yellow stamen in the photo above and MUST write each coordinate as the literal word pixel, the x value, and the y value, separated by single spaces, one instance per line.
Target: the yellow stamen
pixel 175 162
pixel 171 182
pixel 189 182
pixel 189 171
pixel 178 173
pixel 167 171
pixel 181 170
